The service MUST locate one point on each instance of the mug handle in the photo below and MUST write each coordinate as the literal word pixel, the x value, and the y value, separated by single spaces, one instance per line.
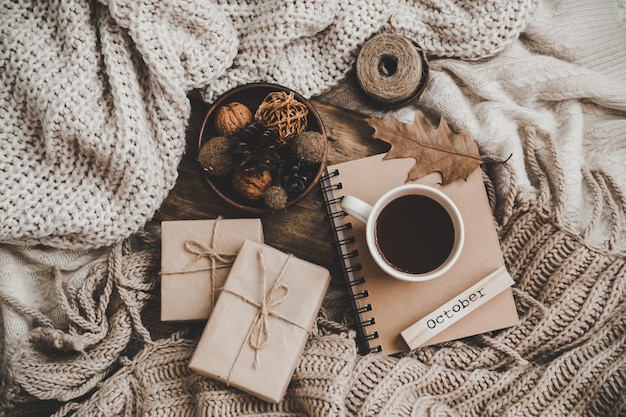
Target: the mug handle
pixel 356 208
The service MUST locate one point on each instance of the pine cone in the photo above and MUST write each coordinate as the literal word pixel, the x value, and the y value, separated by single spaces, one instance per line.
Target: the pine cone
pixel 294 176
pixel 256 148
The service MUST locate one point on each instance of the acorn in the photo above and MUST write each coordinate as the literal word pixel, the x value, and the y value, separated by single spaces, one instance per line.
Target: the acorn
pixel 309 147
pixel 275 197
pixel 231 117
pixel 251 184
pixel 216 156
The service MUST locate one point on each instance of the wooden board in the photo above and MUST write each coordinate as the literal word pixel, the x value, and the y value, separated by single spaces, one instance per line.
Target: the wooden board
pixel 300 229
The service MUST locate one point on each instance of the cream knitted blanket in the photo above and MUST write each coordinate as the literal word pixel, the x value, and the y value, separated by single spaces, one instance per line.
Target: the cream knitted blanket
pixel 95 108
pixel 555 99
pixel 94 92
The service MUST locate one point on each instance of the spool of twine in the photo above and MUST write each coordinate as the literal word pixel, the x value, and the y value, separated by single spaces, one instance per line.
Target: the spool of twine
pixel 391 69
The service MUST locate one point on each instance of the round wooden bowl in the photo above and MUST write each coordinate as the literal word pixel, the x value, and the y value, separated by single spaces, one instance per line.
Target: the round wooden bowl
pixel 252 95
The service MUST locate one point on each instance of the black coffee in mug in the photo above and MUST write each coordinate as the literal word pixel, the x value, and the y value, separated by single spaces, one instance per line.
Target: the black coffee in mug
pixel 414 234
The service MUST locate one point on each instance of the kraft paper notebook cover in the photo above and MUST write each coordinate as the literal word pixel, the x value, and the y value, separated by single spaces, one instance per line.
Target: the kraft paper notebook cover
pixel 387 306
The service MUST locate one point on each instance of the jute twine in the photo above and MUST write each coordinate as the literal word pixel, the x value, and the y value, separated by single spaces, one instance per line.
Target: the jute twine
pixel 218 260
pixel 391 69
pixel 283 112
pixel 259 333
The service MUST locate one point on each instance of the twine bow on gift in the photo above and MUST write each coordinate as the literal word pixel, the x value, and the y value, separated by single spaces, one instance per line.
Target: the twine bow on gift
pixel 217 259
pixel 259 332
pixel 259 335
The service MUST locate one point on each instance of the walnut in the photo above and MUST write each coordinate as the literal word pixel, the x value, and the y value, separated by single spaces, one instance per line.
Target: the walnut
pixel 251 185
pixel 231 116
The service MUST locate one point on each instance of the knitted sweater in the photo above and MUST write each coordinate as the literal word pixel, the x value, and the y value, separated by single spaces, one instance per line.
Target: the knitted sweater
pixel 555 99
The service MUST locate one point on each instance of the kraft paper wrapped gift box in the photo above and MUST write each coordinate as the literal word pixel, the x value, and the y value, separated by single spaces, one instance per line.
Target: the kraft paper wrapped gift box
pixel 261 321
pixel 196 256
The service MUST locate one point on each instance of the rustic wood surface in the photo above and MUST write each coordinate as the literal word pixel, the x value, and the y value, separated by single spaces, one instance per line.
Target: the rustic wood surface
pixel 300 229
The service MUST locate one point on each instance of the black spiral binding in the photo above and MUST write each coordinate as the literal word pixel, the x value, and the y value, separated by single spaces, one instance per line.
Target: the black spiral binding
pixel 358 281
pixel 346 241
pixel 362 294
pixel 348 255
pixel 342 242
pixel 352 268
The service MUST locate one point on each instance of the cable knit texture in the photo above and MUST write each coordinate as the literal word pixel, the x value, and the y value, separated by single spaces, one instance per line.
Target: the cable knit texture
pixel 566 357
pixel 94 93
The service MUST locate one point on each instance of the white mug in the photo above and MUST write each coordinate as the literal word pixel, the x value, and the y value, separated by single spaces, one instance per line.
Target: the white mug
pixel 414 232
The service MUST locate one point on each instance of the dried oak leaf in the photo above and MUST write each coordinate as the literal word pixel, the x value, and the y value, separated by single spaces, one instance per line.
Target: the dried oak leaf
pixel 454 155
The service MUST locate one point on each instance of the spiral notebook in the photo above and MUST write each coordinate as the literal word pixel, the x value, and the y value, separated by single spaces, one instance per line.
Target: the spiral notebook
pixel 385 306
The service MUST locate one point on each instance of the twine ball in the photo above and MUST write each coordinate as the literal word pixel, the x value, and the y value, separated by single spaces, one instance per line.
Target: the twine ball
pixel 309 147
pixel 284 113
pixel 215 156
pixel 391 69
